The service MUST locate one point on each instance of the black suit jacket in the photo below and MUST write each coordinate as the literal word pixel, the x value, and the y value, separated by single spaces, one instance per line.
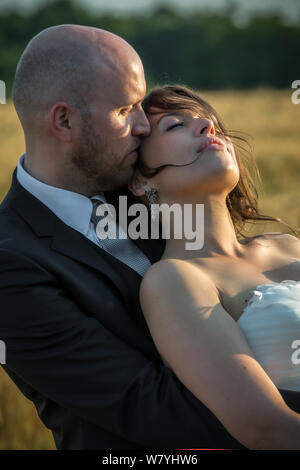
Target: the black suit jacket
pixel 78 345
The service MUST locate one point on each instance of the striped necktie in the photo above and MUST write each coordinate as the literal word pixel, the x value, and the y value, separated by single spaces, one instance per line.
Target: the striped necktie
pixel 121 248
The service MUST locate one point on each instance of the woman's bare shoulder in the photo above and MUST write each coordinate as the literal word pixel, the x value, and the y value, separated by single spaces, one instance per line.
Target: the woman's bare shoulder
pixel 175 275
pixel 168 267
pixel 161 273
pixel 288 244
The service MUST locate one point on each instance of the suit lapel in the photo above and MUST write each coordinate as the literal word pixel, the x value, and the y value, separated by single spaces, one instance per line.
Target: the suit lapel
pixel 73 244
pixel 65 239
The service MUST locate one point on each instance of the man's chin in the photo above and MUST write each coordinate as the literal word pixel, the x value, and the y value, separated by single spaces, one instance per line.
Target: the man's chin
pixel 120 180
pixel 126 177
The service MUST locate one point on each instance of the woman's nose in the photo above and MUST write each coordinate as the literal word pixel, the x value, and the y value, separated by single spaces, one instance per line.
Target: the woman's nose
pixel 205 126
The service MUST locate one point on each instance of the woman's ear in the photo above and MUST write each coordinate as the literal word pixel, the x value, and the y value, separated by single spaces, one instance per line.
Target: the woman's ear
pixel 138 184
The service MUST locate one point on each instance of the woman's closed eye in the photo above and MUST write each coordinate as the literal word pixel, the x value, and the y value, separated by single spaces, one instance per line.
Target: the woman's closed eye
pixel 174 125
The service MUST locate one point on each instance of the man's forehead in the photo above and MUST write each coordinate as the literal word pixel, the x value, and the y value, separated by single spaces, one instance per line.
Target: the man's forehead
pixel 121 85
pixel 128 88
pixel 115 96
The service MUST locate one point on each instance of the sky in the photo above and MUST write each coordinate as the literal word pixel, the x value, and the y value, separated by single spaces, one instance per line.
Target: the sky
pixel 290 9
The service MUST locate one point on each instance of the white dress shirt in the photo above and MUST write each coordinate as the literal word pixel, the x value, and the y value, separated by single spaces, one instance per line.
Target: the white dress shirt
pixel 75 210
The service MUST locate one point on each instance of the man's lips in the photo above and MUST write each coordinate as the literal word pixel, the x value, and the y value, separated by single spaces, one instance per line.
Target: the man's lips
pixel 211 141
pixel 133 153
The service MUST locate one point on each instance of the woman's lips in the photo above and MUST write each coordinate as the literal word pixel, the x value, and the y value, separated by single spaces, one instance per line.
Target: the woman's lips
pixel 213 142
pixel 214 146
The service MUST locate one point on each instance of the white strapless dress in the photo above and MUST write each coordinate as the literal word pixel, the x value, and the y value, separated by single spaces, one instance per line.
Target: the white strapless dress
pixel 271 324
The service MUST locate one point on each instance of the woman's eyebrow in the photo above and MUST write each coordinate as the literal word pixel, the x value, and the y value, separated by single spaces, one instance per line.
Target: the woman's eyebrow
pixel 166 115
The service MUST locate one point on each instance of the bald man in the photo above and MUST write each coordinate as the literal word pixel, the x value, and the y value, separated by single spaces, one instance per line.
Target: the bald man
pixel 78 93
pixel 77 344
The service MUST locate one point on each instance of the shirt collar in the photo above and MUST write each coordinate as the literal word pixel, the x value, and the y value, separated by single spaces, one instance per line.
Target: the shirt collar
pixel 73 209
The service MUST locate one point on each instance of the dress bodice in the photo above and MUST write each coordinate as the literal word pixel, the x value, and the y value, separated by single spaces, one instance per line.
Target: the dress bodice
pixel 271 324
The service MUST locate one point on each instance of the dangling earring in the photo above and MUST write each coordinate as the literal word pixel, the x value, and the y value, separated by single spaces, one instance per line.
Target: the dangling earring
pixel 152 196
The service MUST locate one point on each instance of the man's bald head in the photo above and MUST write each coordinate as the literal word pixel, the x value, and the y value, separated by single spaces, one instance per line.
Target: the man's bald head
pixel 66 63
pixel 78 92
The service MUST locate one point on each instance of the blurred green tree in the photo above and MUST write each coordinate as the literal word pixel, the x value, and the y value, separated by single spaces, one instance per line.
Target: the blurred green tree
pixel 206 51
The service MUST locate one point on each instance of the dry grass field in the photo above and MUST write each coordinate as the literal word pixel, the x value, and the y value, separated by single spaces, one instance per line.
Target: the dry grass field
pixel 274 123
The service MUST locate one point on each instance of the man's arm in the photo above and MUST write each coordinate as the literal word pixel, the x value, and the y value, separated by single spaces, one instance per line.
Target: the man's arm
pixel 54 347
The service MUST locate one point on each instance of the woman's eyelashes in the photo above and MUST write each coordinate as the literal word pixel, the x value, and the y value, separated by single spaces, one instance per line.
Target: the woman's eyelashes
pixel 176 124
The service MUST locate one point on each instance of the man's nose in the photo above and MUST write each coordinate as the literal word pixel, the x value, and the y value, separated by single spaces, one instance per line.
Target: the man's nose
pixel 204 126
pixel 141 125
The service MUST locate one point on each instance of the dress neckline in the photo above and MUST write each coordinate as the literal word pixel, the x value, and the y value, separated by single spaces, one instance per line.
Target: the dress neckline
pixel 258 292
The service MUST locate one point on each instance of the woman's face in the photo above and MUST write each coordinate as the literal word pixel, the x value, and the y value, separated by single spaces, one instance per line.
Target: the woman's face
pixel 180 138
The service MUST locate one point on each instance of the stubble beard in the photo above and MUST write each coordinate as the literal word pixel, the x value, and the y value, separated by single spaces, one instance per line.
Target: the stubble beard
pixel 92 161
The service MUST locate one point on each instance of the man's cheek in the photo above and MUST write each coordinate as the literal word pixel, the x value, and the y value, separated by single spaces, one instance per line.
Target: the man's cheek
pixel 121 128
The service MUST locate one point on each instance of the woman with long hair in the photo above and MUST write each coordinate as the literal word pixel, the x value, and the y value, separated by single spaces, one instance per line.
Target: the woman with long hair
pixel 226 317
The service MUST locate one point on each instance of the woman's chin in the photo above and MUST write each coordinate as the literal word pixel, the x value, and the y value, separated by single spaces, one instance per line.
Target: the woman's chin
pixel 223 161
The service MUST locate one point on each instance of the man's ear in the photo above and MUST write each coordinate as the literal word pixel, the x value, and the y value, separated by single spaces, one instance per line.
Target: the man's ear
pixel 60 121
pixel 138 184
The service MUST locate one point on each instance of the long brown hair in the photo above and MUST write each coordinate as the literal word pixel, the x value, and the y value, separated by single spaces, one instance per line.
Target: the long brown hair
pixel 242 201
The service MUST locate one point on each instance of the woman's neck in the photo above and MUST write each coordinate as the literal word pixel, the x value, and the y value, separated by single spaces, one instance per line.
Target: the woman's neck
pixel 215 229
